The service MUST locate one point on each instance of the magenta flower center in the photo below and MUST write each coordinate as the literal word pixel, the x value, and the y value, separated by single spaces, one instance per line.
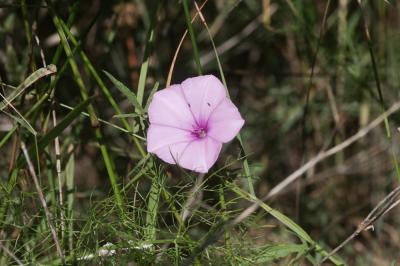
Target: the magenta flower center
pixel 200 132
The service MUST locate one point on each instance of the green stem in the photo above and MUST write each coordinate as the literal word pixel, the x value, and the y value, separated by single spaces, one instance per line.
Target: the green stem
pixel 146 56
pixel 192 36
pixel 246 166
pixel 102 86
pixel 93 118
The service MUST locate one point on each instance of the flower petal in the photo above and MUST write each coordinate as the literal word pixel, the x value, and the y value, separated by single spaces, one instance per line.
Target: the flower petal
pixel 200 155
pixel 203 94
pixel 171 153
pixel 159 136
pixel 169 108
pixel 224 122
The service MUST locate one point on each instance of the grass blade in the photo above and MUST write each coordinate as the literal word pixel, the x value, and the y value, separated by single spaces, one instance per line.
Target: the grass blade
pixel 102 86
pixel 155 88
pixel 146 57
pixel 93 118
pixel 31 79
pixel 152 207
pixel 63 124
pixel 23 122
pixel 69 177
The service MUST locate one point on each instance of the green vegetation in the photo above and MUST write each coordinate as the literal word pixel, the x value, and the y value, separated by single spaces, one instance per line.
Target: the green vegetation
pixel 314 168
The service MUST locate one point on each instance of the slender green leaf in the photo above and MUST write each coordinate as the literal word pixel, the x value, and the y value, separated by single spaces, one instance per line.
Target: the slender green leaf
pixel 126 115
pixel 66 121
pixel 146 55
pixel 7 136
pixel 102 86
pixel 152 207
pixel 23 122
pixel 270 253
pixel 192 36
pixel 126 91
pixel 69 178
pixel 155 88
pixel 34 77
pixel 92 113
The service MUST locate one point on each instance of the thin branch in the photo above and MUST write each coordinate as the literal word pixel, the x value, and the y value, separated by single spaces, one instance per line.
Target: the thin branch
pixel 325 154
pixel 317 159
pixel 233 41
pixel 194 198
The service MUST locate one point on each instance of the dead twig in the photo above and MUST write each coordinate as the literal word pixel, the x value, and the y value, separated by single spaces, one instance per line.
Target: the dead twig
pixel 383 207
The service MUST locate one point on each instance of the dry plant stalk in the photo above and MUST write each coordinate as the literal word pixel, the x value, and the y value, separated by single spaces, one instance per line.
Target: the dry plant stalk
pixel 194 198
pixel 58 170
pixel 56 143
pixel 42 201
pixel 171 68
pixel 9 253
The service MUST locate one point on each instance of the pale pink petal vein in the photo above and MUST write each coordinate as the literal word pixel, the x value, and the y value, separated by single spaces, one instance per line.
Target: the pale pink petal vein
pixel 190 121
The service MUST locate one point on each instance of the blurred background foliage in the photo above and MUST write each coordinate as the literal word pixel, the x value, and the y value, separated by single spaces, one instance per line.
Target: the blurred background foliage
pixel 273 53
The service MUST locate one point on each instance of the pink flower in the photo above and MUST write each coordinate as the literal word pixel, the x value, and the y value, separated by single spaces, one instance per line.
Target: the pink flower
pixel 190 121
